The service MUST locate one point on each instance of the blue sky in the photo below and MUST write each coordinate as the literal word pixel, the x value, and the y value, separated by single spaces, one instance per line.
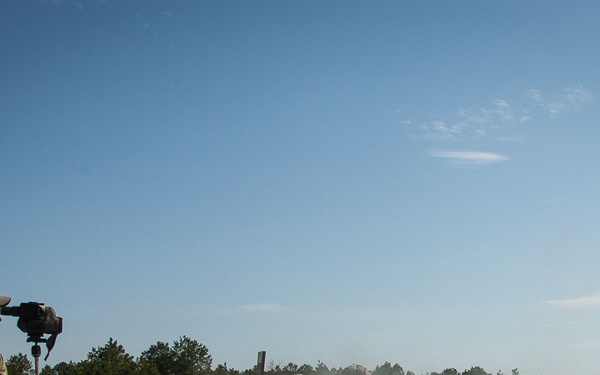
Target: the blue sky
pixel 344 181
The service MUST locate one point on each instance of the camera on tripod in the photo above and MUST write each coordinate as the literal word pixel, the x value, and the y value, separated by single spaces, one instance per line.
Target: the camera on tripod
pixel 35 319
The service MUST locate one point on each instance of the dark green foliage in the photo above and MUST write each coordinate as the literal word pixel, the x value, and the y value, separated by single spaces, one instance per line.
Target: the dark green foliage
pixel 322 369
pixel 354 370
pixel 388 369
pixel 475 371
pixel 306 370
pixel 64 368
pixel 188 357
pixel 273 369
pixel 111 359
pixel 19 364
pixel 145 368
pixel 160 357
pixel 185 357
pixel 290 368
pixel 250 371
pixel 223 370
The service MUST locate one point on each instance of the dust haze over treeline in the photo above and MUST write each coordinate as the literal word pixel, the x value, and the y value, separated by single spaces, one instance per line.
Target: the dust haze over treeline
pixel 186 356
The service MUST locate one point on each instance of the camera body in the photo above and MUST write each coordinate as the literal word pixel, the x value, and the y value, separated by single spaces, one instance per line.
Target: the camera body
pixel 35 319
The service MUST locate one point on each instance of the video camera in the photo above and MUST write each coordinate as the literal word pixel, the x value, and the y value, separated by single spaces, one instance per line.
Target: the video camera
pixel 36 319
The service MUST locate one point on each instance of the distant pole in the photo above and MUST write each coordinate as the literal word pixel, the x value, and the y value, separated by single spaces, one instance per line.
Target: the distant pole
pixel 260 364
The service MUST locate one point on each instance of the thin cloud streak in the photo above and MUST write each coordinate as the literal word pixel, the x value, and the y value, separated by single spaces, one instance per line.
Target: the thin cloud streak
pixel 469 157
pixel 586 302
pixel 263 307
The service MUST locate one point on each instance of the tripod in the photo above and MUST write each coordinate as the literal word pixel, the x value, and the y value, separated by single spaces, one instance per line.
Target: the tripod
pixel 36 351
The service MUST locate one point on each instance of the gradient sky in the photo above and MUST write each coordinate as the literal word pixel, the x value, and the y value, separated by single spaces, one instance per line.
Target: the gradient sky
pixel 345 181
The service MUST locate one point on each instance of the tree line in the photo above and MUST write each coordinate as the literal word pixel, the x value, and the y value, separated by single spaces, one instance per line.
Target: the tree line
pixel 186 356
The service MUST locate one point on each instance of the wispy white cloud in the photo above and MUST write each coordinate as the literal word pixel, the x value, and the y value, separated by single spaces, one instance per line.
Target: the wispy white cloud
pixel 586 302
pixel 469 123
pixel 555 107
pixel 469 157
pixel 571 99
pixel 534 95
pixel 501 103
pixel 500 117
pixel 578 97
pixel 443 128
pixel 263 307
